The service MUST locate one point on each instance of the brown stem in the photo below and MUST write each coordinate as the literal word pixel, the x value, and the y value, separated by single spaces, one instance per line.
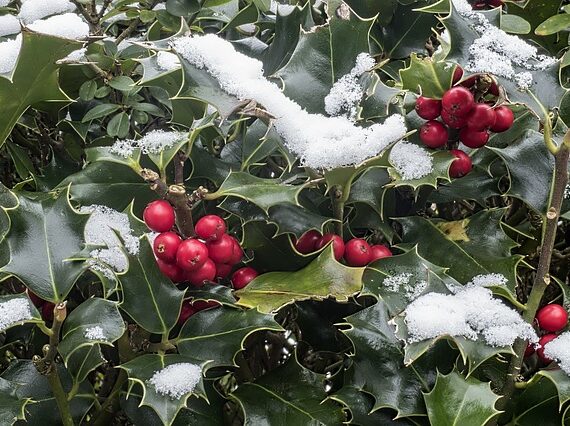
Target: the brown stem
pixel 542 277
pixel 178 197
pixel 133 26
pixel 156 184
pixel 179 168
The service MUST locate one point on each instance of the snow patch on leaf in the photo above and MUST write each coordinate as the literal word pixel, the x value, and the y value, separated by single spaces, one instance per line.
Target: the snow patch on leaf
pixel 9 24
pixel 94 333
pixel 167 61
pixel 32 10
pixel 559 350
pixel 153 142
pixel 401 284
pixel 9 51
pixel 411 161
pixel 176 380
pixel 14 311
pixel 68 25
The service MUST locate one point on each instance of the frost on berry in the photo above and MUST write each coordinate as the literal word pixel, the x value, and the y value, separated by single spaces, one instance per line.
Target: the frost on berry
pixel 176 380
pixel 321 142
pixel 153 142
pixel 411 161
pixel 559 350
pixel 94 333
pixel 14 311
pixel 472 312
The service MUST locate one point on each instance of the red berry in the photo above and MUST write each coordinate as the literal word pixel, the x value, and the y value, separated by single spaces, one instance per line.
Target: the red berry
pixel 210 227
pixel 207 272
pixel 36 300
pixel 529 350
pixel 223 270
pixel 461 165
pixel 243 277
pixel 433 134
pixel 427 108
pixel 504 119
pixel 458 100
pixel 237 252
pixel 453 120
pixel 47 311
pixel 481 117
pixel 221 250
pixel 494 89
pixel 457 74
pixel 552 317
pixel 379 251
pixel 307 243
pixel 190 308
pixel 542 342
pixel 191 254
pixel 496 3
pixel 337 242
pixel 171 270
pixel 470 81
pixel 159 216
pixel 357 252
pixel 166 245
pixel 473 138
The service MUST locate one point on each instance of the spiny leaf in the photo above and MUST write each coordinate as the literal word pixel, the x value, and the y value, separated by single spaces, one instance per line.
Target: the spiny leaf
pixel 427 77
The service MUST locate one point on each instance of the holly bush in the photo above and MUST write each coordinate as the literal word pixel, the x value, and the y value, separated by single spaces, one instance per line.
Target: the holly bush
pixel 284 213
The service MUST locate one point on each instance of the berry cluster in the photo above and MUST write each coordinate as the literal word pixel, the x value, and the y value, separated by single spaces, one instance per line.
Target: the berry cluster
pixel 551 319
pixel 462 117
pixel 356 252
pixel 211 255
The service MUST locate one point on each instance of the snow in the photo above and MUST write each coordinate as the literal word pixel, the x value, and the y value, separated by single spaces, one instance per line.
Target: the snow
pixel 153 142
pixel 14 311
pixel 9 24
pixel 68 25
pixel 346 93
pixel 176 380
pixel 4 3
pixel 284 9
pixel 567 192
pixel 32 10
pixel 9 51
pixel 411 161
pixel 167 61
pixel 559 350
pixel 320 142
pixel 400 283
pixel 94 333
pixel 497 52
pixel 486 280
pixel 472 312
pixel 76 55
pixel 100 231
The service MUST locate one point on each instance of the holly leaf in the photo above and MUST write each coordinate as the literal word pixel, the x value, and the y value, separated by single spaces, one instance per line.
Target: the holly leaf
pixel 45 232
pixel 217 334
pixel 148 296
pixel 141 369
pixel 562 382
pixel 378 367
pixel 264 193
pixel 323 56
pixel 12 407
pixel 369 189
pixel 537 404
pixel 427 77
pixel 324 277
pixel 103 153
pixel 34 78
pixel 288 392
pixel 34 317
pixel 457 400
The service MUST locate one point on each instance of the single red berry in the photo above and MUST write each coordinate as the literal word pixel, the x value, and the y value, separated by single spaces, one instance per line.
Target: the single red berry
pixel 529 350
pixel 427 108
pixel 243 277
pixel 223 270
pixel 191 254
pixel 210 227
pixel 542 342
pixel 481 117
pixel 166 245
pixel 357 252
pixel 504 119
pixel 433 134
pixel 47 311
pixel 473 138
pixel 494 89
pixel 552 317
pixel 337 243
pixel 36 300
pixel 453 120
pixel 237 252
pixel 461 165
pixel 379 251
pixel 221 250
pixel 171 270
pixel 457 74
pixel 206 272
pixel 307 243
pixel 159 216
pixel 458 100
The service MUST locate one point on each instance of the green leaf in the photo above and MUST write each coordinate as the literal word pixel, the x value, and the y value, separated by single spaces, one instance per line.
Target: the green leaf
pixel 218 334
pixel 553 25
pixel 182 7
pixel 84 361
pixel 369 189
pixel 515 24
pixel 87 90
pixel 322 57
pixel 288 393
pixel 22 162
pixel 473 246
pixel 122 83
pixel 148 296
pixel 537 404
pixel 378 367
pixel 119 125
pixel 34 79
pixel 102 110
pixel 259 142
pixel 12 407
pixel 562 382
pixel 35 318
pixel 427 77
pixel 322 278
pixel 141 369
pixel 457 400
pixel 382 10
pixel 265 193
pixel 104 154
pixel 45 228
